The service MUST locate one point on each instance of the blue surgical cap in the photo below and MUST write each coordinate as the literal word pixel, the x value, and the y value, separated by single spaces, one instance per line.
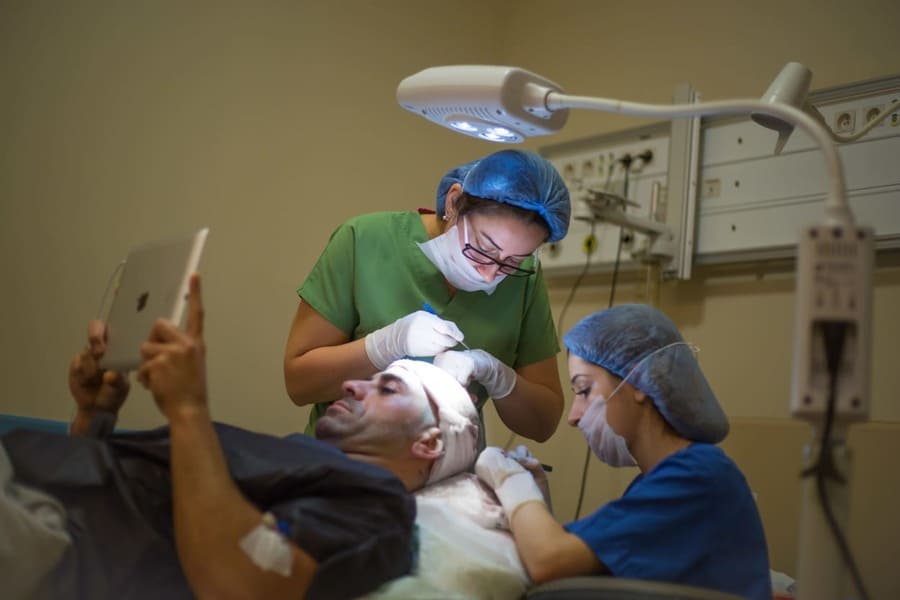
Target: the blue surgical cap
pixel 517 177
pixel 620 338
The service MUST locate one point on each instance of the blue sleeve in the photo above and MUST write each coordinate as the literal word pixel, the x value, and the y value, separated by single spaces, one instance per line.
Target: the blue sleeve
pixel 640 530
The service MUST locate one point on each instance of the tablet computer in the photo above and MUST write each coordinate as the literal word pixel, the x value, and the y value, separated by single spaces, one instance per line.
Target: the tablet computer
pixel 153 284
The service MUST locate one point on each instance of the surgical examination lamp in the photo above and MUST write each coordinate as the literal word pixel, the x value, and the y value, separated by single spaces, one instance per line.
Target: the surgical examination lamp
pixel 832 323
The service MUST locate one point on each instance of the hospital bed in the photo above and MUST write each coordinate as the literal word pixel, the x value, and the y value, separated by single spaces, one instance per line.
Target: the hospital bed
pixel 575 588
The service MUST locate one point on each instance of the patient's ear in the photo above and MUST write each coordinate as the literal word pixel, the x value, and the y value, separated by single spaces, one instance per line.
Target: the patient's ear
pixel 429 445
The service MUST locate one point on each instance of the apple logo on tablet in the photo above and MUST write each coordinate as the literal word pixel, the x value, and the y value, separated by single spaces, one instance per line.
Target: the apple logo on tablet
pixel 142 301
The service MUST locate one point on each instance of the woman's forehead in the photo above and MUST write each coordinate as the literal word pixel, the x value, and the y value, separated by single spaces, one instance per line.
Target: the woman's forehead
pixel 505 233
pixel 578 367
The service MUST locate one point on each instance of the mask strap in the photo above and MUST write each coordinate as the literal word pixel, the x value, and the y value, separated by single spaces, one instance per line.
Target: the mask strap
pixel 694 348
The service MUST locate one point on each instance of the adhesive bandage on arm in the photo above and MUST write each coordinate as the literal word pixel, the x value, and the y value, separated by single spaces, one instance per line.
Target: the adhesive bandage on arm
pixel 267 547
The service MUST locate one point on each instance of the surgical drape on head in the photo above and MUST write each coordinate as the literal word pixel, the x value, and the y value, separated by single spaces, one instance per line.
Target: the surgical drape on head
pixel 641 343
pixel 456 415
pixel 516 177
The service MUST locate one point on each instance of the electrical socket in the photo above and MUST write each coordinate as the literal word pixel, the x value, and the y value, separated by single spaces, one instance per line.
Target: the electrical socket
pixel 711 188
pixel 588 168
pixel 553 249
pixel 872 112
pixel 845 121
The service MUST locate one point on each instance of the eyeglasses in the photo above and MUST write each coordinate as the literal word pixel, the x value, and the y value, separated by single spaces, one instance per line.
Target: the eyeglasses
pixel 482 258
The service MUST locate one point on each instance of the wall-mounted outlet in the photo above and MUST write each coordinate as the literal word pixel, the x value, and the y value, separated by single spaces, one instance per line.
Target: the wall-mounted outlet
pixel 588 168
pixel 872 112
pixel 845 121
pixel 712 188
pixel 553 249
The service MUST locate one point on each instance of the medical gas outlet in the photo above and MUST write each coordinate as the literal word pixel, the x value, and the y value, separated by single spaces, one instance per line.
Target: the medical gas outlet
pixel 834 286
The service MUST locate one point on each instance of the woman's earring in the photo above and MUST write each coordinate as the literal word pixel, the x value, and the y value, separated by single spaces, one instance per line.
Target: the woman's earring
pixel 446 217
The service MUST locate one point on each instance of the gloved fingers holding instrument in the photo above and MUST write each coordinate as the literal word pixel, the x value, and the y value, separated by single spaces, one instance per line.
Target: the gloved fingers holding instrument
pixel 511 482
pixel 477 365
pixel 523 456
pixel 417 334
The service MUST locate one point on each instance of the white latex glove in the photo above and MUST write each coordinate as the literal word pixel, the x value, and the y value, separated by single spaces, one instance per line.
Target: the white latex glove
pixel 417 334
pixel 523 456
pixel 497 378
pixel 513 485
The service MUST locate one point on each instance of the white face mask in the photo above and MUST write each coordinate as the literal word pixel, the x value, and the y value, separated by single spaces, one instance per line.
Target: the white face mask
pixel 446 254
pixel 607 445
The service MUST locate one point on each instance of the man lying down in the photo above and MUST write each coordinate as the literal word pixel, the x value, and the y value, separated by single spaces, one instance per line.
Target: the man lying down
pixel 203 509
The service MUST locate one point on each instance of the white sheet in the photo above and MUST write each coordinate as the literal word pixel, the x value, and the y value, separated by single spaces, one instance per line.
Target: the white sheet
pixel 465 548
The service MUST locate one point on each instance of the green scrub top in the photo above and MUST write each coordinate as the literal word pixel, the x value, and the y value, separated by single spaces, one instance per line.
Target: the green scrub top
pixel 372 273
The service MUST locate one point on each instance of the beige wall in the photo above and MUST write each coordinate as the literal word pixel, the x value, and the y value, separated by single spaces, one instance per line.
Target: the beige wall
pixel 272 122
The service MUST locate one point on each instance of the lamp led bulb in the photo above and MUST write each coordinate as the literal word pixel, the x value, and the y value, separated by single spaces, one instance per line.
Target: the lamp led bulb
pixel 501 134
pixel 485 131
pixel 465 127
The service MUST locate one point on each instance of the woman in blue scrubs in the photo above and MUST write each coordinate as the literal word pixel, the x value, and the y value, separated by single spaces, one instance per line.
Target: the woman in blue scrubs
pixel 689 516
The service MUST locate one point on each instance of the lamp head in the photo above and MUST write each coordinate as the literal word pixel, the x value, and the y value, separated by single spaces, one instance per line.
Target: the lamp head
pixel 790 86
pixel 499 104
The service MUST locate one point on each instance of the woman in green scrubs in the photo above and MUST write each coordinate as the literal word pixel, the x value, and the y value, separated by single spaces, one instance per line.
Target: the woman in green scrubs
pixel 471 266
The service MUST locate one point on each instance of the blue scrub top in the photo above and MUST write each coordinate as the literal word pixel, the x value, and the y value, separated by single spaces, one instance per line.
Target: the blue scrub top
pixel 691 520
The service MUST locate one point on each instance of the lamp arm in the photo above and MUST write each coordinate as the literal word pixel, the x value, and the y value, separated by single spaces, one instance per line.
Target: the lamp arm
pixel 837 212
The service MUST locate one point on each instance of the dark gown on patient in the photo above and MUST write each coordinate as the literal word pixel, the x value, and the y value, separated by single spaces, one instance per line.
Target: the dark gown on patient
pixel 355 519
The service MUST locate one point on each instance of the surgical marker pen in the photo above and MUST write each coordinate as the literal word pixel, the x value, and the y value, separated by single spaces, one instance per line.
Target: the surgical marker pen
pixel 428 308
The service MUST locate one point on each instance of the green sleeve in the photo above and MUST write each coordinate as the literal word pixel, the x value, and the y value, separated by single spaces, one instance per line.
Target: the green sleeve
pixel 329 286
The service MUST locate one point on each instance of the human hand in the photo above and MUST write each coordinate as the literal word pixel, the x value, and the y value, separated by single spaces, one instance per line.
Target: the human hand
pixel 523 456
pixel 174 361
pixel 513 484
pixel 417 334
pixel 497 378
pixel 93 388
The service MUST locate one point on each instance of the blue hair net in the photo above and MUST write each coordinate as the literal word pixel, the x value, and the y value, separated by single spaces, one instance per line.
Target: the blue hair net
pixel 628 337
pixel 517 177
pixel 455 175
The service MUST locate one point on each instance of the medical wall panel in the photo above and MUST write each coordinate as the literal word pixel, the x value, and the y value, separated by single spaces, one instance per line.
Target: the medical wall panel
pixel 751 203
